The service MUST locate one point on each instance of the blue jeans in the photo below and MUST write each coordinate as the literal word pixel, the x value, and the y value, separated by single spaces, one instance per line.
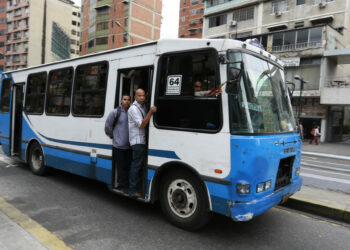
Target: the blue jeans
pixel 122 159
pixel 137 164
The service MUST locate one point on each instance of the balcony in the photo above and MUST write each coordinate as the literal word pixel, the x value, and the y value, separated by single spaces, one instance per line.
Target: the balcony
pixel 297 46
pixel 103 4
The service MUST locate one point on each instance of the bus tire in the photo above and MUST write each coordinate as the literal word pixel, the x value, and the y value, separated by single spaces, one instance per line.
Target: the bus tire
pixel 184 200
pixel 36 159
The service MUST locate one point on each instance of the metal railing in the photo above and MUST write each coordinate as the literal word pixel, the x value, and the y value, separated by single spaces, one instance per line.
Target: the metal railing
pixel 297 46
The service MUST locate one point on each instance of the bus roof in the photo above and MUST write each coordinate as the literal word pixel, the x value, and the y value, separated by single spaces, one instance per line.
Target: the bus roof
pixel 171 45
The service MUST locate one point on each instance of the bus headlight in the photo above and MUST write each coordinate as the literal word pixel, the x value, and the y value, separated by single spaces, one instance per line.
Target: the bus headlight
pixel 263 186
pixel 243 188
pixel 297 171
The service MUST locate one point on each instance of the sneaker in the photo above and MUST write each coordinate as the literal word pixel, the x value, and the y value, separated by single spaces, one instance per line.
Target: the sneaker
pixel 135 195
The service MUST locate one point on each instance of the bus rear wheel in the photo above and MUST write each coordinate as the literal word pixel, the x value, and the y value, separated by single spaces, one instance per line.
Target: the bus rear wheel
pixel 36 160
pixel 184 200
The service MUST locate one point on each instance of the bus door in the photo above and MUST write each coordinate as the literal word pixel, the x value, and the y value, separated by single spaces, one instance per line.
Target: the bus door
pixel 129 80
pixel 16 119
pixel 5 114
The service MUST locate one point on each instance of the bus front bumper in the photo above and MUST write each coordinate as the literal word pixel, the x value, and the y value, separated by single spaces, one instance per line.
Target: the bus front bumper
pixel 244 211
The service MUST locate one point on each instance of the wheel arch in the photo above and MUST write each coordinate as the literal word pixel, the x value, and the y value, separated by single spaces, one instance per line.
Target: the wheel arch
pixel 29 144
pixel 172 166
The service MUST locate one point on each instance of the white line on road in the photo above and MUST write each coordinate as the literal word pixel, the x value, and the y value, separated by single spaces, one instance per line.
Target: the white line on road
pixel 347 165
pixel 326 178
pixel 325 171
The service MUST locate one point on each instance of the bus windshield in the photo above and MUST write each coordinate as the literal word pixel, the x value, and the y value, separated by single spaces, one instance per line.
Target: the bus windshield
pixel 261 103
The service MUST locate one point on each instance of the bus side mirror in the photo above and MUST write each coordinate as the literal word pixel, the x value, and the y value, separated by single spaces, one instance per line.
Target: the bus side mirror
pixel 233 80
pixel 290 88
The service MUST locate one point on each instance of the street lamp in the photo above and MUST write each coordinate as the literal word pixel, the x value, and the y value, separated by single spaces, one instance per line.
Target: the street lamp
pixel 125 30
pixel 302 81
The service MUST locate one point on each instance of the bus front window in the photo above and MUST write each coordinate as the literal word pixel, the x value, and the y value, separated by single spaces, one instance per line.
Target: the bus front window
pixel 261 104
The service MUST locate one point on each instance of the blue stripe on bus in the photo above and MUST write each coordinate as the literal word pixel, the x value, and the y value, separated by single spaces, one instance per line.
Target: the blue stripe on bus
pixel 163 153
pixel 84 144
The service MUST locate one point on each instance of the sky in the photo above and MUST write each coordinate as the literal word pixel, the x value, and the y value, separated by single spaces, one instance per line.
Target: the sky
pixel 170 18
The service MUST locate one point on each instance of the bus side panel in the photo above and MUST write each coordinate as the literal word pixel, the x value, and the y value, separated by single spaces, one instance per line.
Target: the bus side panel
pixel 220 196
pixel 79 164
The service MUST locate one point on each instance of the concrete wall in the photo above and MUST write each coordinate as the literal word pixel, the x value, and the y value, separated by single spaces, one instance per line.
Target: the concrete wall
pixel 36 13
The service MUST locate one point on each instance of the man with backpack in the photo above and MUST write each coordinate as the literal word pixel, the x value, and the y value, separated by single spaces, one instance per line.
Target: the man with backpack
pixel 117 129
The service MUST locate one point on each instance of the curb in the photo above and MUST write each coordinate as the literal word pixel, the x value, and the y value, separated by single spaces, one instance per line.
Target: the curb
pixel 318 208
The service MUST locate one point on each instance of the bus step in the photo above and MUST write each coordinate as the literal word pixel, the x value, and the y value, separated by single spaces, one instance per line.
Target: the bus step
pixel 118 191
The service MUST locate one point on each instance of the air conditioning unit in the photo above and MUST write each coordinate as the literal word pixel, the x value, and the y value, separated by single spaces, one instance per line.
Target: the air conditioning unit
pixel 278 13
pixel 233 23
pixel 322 5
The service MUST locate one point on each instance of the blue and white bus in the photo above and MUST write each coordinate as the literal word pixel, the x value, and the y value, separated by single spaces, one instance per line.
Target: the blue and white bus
pixel 233 151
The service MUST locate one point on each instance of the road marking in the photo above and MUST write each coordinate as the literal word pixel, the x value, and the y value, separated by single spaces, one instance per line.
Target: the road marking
pixel 347 165
pixel 326 178
pixel 325 171
pixel 47 238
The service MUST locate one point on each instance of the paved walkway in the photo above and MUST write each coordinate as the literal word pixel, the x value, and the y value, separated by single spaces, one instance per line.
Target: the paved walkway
pixel 13 236
pixel 335 205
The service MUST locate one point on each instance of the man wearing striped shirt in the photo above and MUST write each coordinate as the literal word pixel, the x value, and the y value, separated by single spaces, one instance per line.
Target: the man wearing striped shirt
pixel 138 120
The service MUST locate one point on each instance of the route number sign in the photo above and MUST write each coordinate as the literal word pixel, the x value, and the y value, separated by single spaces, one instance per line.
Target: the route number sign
pixel 173 86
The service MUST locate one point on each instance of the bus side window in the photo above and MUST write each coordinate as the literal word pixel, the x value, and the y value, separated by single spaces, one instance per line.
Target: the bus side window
pixel 90 89
pixel 179 105
pixel 35 94
pixel 59 92
pixel 5 95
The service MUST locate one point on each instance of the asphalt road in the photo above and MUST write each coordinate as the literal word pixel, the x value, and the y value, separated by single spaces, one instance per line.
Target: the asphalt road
pixel 85 215
pixel 326 173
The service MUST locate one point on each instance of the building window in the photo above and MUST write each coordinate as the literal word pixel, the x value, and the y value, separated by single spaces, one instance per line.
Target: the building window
pixel 74 13
pixel 9 15
pixel 211 3
pixel 243 14
pixel 74 23
pixel 279 6
pixel 297 39
pixel 15 58
pixel 188 108
pixel 2 32
pixel 2 44
pixel 18 12
pixel 91 44
pixel 35 95
pixel 60 42
pixel 184 10
pixel 317 2
pixel 2 8
pixel 183 19
pixel 59 90
pixel 194 2
pixel 9 26
pixel 102 26
pixel 5 95
pixel 8 47
pixel 217 20
pixel 194 12
pixel 102 40
pixel 300 2
pixel 90 89
pixel 2 20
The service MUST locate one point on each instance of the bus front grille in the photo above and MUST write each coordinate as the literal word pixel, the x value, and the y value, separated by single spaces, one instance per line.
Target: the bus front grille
pixel 284 173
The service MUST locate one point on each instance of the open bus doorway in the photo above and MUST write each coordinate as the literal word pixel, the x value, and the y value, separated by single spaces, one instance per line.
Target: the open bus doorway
pixel 129 80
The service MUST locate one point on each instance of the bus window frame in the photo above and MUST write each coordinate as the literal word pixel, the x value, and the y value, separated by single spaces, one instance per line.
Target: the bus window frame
pixel 25 98
pixel 71 94
pixel 74 90
pixel 1 90
pixel 218 79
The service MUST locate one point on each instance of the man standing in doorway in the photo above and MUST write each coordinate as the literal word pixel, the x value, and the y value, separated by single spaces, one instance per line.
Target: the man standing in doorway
pixel 117 128
pixel 138 120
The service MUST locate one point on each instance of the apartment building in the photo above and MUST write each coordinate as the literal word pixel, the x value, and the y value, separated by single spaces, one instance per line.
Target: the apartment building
pixel 300 33
pixel 2 32
pixel 108 24
pixel 191 18
pixel 37 32
pixel 75 32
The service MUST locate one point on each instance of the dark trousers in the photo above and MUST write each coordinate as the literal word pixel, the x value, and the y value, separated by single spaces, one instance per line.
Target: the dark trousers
pixel 137 164
pixel 122 161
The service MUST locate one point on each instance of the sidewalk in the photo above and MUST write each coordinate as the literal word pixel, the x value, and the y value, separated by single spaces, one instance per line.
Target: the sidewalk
pixel 331 204
pixel 12 236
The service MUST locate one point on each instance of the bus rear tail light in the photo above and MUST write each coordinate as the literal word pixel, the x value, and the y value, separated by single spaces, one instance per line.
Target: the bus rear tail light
pixel 243 188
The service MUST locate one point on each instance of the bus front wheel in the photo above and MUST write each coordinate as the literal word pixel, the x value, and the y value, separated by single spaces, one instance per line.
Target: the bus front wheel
pixel 184 200
pixel 36 159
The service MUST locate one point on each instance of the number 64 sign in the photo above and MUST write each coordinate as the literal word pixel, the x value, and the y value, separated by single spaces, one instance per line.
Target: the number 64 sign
pixel 173 86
